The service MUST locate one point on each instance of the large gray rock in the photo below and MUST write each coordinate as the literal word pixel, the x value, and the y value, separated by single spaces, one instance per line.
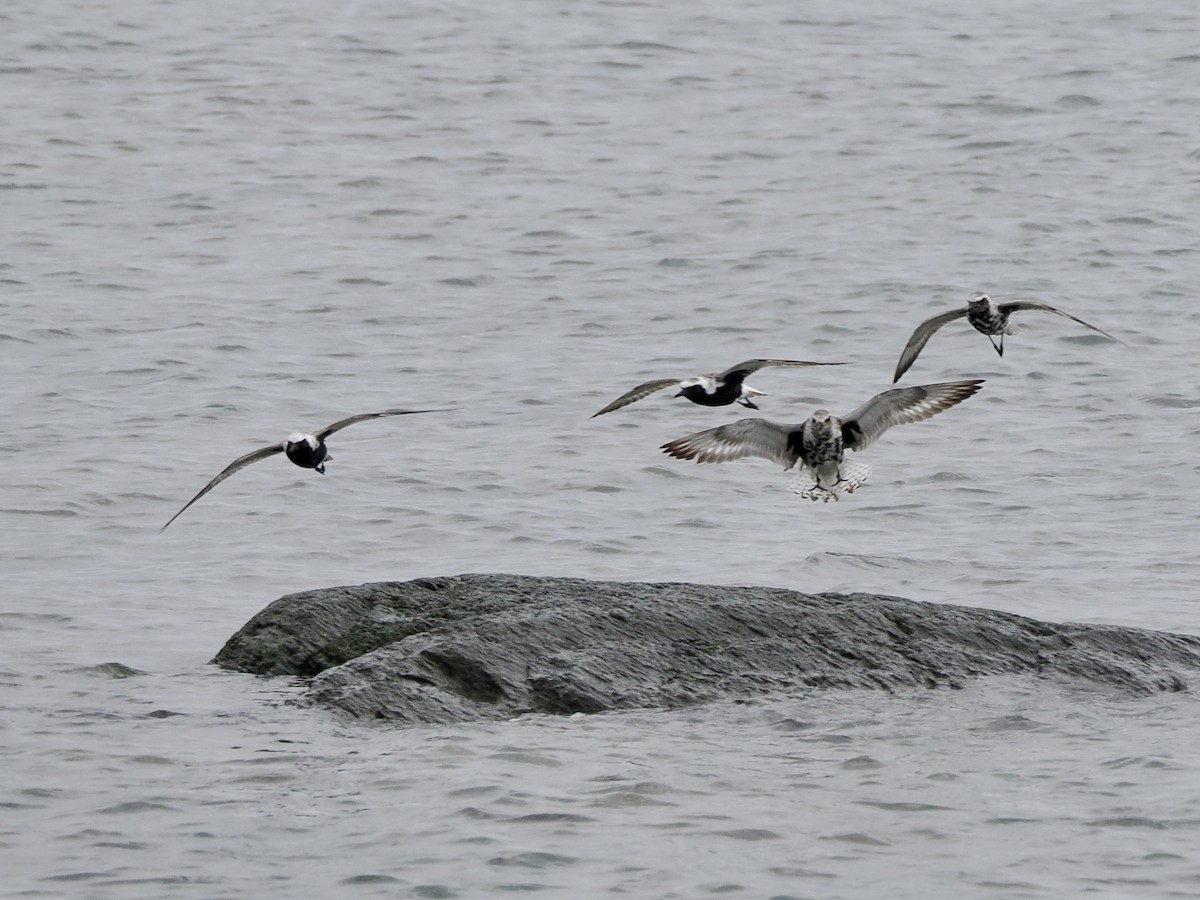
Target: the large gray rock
pixel 495 646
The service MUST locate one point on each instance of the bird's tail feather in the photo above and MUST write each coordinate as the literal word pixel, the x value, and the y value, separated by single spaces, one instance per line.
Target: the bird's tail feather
pixel 851 475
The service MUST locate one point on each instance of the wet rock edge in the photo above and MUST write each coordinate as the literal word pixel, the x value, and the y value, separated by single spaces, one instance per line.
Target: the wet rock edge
pixel 494 646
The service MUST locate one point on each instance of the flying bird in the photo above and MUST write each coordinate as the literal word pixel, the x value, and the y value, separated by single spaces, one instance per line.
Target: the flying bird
pixel 306 450
pixel 721 389
pixel 988 317
pixel 819 444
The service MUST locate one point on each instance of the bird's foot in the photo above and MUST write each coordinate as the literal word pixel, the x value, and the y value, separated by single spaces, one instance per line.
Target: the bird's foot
pixel 814 492
pixel 851 475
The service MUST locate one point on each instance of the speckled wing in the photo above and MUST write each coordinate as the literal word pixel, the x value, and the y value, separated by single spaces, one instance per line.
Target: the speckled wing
pixel 750 366
pixel 362 417
pixel 900 406
pixel 745 437
pixel 1017 305
pixel 642 390
pixel 240 463
pixel 920 337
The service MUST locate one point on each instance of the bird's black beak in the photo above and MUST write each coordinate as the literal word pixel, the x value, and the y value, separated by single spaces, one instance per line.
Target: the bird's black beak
pixel 680 394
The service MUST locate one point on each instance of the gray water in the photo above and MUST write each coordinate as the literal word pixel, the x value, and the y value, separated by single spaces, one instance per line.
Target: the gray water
pixel 222 222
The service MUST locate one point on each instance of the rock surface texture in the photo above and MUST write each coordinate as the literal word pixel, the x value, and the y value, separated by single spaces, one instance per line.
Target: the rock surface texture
pixel 495 646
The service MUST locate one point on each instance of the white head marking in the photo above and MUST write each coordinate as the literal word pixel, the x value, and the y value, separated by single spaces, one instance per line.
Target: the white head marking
pixel 703 381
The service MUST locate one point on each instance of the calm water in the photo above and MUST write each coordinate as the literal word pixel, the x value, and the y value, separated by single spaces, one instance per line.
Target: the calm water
pixel 220 224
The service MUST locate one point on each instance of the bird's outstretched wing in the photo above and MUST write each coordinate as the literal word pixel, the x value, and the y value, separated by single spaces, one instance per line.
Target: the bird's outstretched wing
pixel 920 337
pixel 900 406
pixel 745 437
pixel 642 390
pixel 1017 305
pixel 240 463
pixel 750 366
pixel 362 417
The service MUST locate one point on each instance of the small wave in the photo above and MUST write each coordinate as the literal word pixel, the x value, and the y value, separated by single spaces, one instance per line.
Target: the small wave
pixel 53 513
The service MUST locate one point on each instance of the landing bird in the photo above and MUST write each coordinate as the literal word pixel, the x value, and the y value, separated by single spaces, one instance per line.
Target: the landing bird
pixel 721 389
pixel 306 450
pixel 987 316
pixel 819 444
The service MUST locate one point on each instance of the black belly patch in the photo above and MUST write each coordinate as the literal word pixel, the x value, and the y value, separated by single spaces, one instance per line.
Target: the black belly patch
pixel 305 456
pixel 722 396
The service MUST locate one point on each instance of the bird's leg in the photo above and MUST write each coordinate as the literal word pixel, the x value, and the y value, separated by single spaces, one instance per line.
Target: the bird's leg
pixel 998 347
pixel 746 403
pixel 320 469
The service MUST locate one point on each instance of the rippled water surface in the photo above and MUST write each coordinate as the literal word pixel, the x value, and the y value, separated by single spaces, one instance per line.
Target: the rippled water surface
pixel 222 222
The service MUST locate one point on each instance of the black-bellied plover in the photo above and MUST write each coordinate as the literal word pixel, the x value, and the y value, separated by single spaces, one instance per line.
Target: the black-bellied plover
pixel 819 444
pixel 721 389
pixel 306 450
pixel 988 317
